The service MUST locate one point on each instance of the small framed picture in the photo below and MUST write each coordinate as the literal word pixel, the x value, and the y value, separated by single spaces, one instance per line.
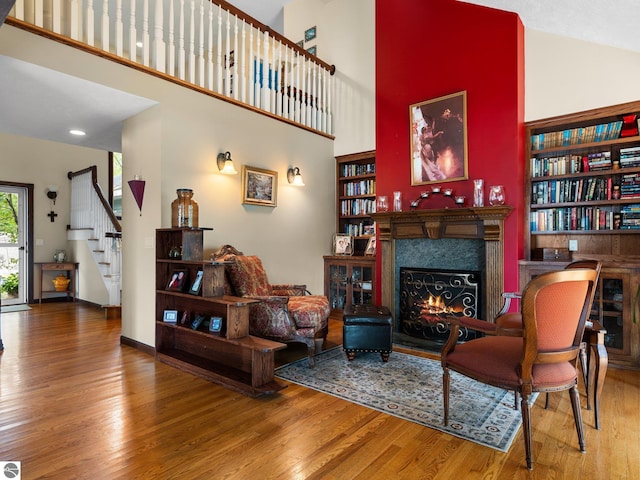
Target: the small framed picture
pixel 313 50
pixel 197 321
pixel 310 34
pixel 300 43
pixel 371 246
pixel 215 325
pixel 196 286
pixel 177 281
pixel 185 318
pixel 343 245
pixel 259 186
pixel 170 316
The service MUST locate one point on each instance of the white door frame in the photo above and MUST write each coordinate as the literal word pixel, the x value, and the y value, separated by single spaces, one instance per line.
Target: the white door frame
pixel 25 194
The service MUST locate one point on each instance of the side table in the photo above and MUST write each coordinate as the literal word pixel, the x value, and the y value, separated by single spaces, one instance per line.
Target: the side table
pixel 70 267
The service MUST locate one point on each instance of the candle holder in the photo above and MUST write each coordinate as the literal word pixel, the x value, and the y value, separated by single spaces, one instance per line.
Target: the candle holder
pixel 437 190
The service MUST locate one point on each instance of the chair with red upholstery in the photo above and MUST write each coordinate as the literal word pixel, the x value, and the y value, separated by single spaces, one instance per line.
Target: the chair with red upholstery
pixel 554 309
pixel 284 313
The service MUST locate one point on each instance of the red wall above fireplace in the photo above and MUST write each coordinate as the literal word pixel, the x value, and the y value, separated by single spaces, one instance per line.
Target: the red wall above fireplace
pixel 429 48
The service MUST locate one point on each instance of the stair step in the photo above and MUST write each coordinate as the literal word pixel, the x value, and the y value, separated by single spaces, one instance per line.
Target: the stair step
pixel 104 263
pixel 112 311
pixel 98 251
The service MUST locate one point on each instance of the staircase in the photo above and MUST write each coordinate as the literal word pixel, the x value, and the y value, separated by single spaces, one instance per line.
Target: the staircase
pixel 97 234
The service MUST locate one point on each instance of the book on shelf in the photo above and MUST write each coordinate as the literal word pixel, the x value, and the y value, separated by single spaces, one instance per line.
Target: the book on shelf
pixel 576 136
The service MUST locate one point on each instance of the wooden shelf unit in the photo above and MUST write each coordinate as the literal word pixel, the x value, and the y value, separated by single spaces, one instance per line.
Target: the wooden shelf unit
pixel 233 358
pixel 552 197
pixel 349 280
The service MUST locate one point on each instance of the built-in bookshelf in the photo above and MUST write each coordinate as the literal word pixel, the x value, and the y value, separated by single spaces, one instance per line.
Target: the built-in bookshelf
pixel 356 197
pixel 582 201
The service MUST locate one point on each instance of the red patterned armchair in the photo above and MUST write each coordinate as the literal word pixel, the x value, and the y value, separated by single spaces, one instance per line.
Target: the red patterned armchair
pixel 285 312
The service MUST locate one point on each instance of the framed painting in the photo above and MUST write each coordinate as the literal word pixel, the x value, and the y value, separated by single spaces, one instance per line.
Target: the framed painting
pixel 343 245
pixel 259 186
pixel 438 139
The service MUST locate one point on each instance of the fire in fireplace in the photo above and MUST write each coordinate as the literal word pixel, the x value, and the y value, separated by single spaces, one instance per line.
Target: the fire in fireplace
pixel 428 296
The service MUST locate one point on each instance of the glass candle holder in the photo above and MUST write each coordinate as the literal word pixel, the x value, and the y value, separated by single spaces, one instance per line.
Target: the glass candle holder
pixel 496 195
pixel 397 201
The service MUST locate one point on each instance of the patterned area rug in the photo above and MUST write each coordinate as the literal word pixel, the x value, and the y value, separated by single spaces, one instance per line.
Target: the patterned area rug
pixel 410 387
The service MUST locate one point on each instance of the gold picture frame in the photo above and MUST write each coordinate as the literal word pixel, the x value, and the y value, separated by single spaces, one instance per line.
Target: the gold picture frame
pixel 438 139
pixel 259 186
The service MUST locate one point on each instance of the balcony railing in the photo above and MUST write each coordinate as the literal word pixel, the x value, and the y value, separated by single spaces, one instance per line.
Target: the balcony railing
pixel 208 45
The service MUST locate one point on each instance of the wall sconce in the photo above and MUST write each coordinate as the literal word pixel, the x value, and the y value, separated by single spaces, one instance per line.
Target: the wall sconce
pixel 52 193
pixel 225 164
pixel 294 177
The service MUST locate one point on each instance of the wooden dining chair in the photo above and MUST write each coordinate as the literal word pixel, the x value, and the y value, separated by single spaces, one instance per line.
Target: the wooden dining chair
pixel 554 308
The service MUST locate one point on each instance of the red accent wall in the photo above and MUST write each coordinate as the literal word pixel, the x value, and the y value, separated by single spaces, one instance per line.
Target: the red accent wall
pixel 430 48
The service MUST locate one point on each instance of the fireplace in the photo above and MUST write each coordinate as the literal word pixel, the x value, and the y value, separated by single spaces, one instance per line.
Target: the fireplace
pixel 428 296
pixel 461 239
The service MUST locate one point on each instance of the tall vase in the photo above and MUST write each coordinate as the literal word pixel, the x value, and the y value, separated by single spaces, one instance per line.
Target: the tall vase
pixel 184 209
pixel 496 195
pixel 478 192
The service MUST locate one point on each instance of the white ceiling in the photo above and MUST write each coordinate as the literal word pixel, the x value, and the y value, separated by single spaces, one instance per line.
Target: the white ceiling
pixel 45 104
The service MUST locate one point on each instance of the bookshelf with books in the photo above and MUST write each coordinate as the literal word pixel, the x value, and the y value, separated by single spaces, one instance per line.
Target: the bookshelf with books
pixel 582 201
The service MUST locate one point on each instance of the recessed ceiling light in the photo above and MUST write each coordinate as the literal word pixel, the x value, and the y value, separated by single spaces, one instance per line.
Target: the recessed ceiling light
pixel 79 133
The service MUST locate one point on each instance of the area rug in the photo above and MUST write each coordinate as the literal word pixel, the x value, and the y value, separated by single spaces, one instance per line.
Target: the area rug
pixel 14 308
pixel 410 387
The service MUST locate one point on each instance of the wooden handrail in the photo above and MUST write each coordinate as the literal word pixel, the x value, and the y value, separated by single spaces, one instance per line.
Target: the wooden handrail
pixel 94 181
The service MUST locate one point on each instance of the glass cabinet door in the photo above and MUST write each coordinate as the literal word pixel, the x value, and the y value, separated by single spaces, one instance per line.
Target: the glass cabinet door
pixel 362 284
pixel 611 307
pixel 338 282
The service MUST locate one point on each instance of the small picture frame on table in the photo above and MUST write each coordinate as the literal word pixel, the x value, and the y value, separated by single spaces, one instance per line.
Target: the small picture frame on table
pixel 170 316
pixel 215 325
pixel 177 281
pixel 343 245
pixel 185 318
pixel 371 246
pixel 196 286
pixel 197 321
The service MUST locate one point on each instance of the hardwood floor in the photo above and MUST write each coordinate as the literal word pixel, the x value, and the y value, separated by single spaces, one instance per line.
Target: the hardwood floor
pixel 74 403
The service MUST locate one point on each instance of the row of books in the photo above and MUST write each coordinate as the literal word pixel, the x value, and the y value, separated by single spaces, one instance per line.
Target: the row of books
pixel 630 217
pixel 359 229
pixel 354 169
pixel 571 190
pixel 363 187
pixel 576 136
pixel 574 218
pixel 630 185
pixel 597 161
pixel 358 206
pixel 551 166
pixel 630 157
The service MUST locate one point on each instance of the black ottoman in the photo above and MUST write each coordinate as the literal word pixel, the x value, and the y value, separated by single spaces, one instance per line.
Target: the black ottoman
pixel 367 328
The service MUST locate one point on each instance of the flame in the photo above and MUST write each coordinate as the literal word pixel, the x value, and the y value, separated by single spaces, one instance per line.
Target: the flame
pixel 434 306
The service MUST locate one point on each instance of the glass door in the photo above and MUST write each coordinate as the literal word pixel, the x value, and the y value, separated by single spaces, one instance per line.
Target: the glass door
pixel 13 252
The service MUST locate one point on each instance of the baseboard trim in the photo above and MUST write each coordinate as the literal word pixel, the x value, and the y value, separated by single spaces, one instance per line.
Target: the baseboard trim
pixel 137 345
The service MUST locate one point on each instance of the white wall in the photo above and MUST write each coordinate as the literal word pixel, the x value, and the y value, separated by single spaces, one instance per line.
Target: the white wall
pixel 563 75
pixel 44 163
pixel 345 38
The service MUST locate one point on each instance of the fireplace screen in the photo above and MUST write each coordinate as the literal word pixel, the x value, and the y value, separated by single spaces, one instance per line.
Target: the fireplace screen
pixel 428 296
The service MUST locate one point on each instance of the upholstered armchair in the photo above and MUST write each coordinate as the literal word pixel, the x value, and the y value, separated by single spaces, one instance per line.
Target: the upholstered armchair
pixel 554 309
pixel 285 313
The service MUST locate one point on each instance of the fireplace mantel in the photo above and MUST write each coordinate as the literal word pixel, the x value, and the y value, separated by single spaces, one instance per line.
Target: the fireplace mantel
pixel 484 223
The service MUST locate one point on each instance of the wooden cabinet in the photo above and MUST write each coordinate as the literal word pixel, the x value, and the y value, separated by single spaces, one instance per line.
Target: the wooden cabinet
pixel 583 194
pixel 349 280
pixel 356 197
pixel 613 306
pixel 230 357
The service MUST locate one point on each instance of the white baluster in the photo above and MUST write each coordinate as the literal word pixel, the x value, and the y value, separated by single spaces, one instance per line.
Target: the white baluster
pixel 305 92
pixel 329 106
pixel 145 33
pixel 38 13
pixel 159 47
pixel 272 77
pixel 119 29
pixel 314 97
pixel 219 66
pixel 56 16
pixel 18 12
pixel 266 66
pixel 171 69
pixel 278 76
pixel 74 20
pixel 133 34
pixel 257 87
pixel 181 52
pixel 298 103
pixel 227 56
pixel 252 70
pixel 210 49
pixel 240 57
pixel 191 75
pixel 105 25
pixel 235 80
pixel 292 92
pixel 201 47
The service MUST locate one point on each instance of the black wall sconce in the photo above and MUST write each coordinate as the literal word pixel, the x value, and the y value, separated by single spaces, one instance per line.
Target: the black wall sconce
pixel 52 193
